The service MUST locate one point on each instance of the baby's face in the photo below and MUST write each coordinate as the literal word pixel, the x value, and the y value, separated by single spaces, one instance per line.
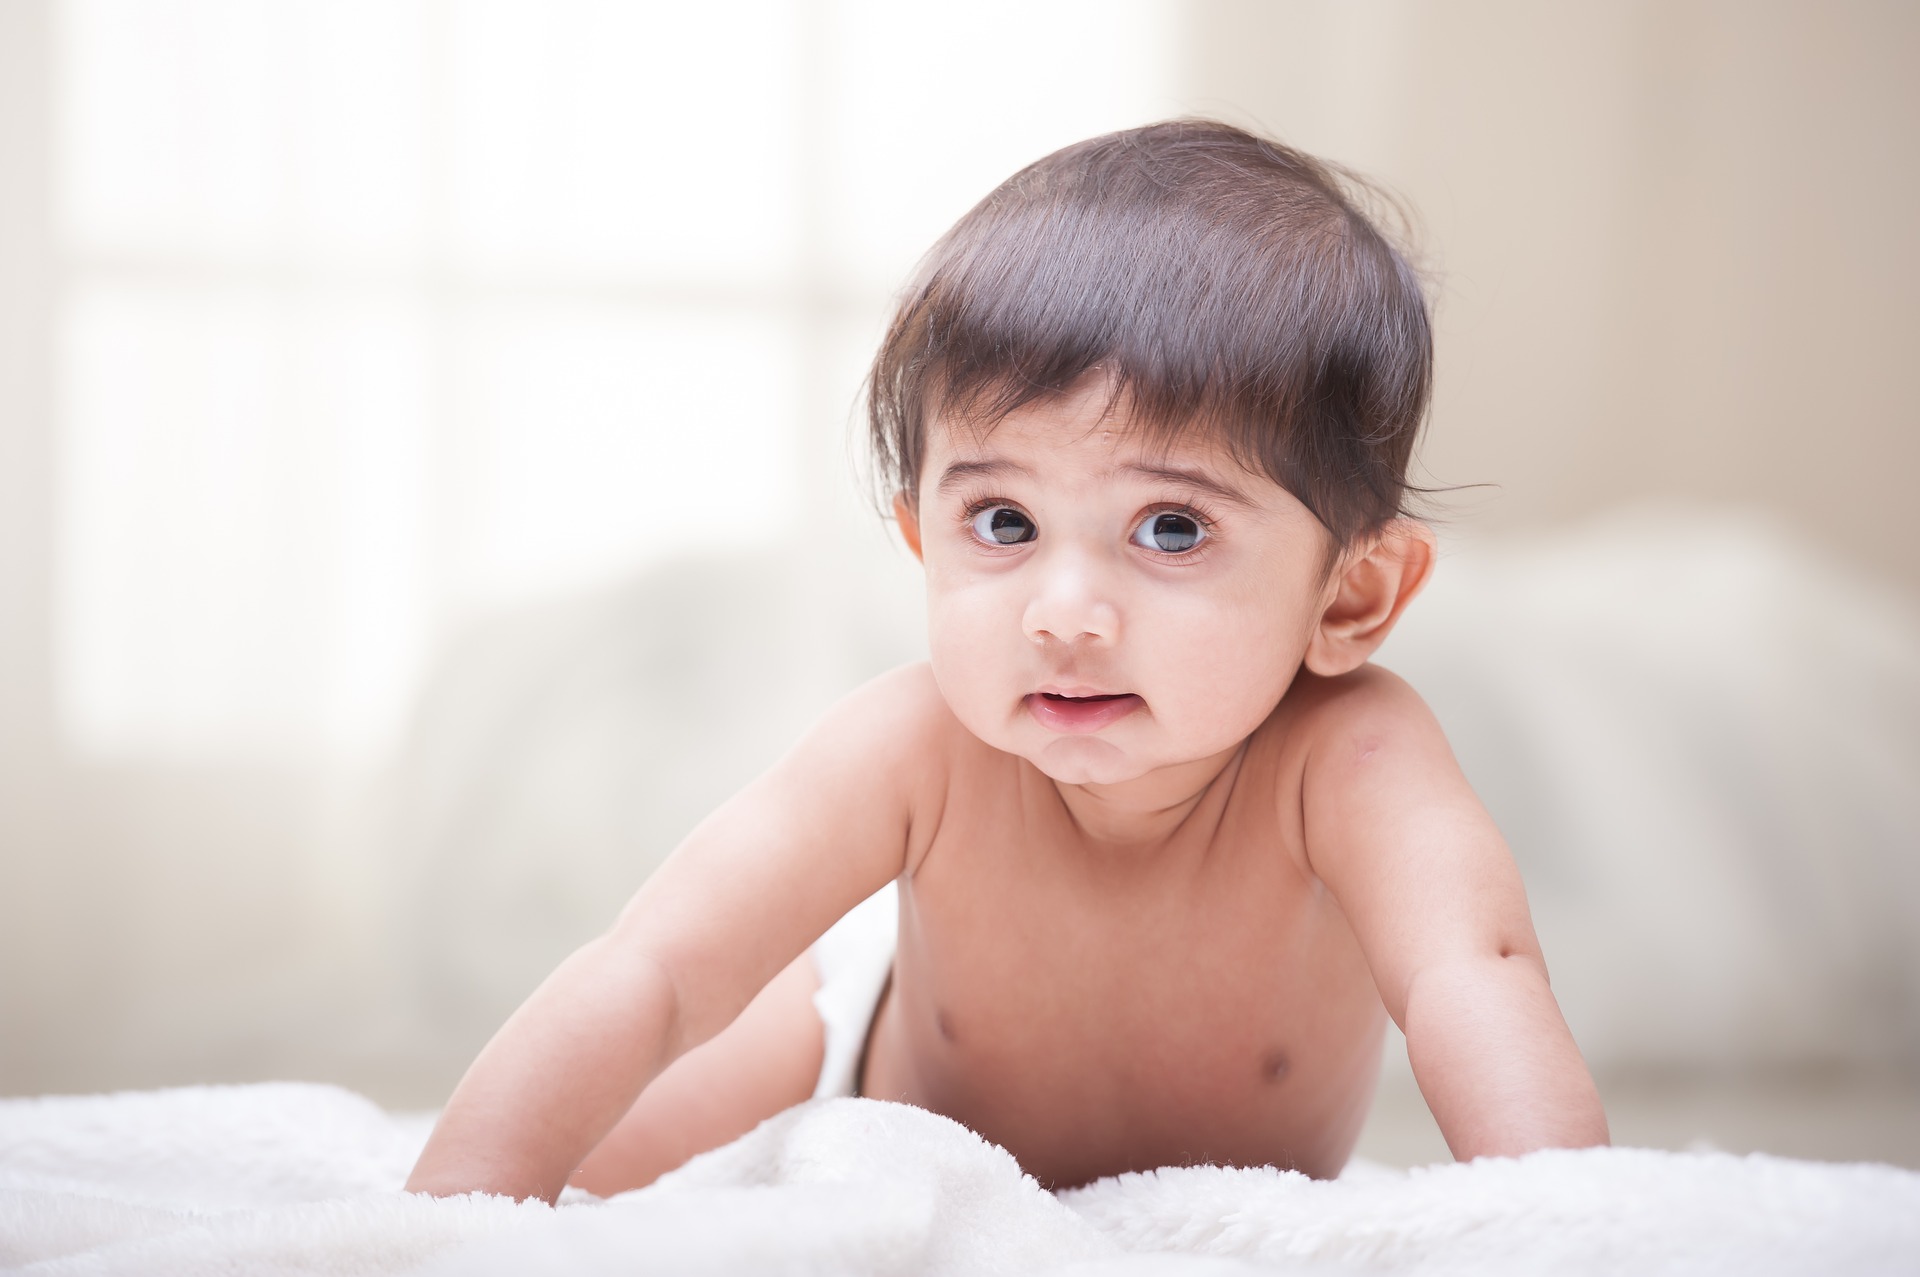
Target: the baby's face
pixel 1103 609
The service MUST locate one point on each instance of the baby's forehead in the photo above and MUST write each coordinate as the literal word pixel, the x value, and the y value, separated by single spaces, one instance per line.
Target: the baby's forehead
pixel 1079 430
pixel 1088 447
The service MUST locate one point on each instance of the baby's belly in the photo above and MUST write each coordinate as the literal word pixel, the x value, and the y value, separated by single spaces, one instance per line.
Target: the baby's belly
pixel 1180 1074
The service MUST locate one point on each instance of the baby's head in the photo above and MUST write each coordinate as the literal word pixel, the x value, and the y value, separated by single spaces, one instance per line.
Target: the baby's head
pixel 1148 409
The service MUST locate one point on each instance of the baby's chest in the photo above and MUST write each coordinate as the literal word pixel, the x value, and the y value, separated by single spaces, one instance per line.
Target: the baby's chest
pixel 1229 963
pixel 1093 1032
pixel 1212 977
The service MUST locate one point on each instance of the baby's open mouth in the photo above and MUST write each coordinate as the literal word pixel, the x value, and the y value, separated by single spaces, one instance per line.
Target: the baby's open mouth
pixel 1076 715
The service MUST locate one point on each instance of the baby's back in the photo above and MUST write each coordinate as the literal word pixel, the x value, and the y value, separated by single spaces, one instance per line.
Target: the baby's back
pixel 1098 1008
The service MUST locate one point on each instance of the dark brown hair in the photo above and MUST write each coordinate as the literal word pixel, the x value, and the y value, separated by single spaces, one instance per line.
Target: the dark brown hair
pixel 1216 279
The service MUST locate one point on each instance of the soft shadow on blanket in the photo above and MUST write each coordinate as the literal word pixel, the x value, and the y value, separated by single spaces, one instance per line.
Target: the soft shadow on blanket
pixel 288 1178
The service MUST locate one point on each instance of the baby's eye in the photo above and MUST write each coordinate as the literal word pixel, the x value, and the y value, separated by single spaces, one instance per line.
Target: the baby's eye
pixel 1169 532
pixel 1003 525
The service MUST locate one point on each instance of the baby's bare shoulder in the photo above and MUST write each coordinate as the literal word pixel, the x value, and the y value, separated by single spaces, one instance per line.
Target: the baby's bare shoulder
pixel 1334 743
pixel 897 732
pixel 1329 730
pixel 901 710
pixel 1358 712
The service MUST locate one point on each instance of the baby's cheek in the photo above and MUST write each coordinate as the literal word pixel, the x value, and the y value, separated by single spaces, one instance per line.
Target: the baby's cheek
pixel 953 627
pixel 969 663
pixel 1230 682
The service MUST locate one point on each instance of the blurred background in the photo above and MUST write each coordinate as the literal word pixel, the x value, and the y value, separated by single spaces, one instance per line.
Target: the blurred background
pixel 426 488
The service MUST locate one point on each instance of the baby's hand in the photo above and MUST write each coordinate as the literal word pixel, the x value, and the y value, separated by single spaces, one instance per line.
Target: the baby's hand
pixel 555 1078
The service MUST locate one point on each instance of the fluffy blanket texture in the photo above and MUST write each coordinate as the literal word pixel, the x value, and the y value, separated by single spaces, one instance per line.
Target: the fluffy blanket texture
pixel 291 1178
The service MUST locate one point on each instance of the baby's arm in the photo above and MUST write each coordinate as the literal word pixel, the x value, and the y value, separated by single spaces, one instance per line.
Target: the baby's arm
pixel 748 890
pixel 1396 833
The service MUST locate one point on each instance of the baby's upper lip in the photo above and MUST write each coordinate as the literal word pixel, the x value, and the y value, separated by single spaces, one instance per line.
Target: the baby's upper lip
pixel 1076 691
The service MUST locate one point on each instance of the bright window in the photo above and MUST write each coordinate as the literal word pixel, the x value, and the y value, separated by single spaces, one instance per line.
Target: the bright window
pixel 379 314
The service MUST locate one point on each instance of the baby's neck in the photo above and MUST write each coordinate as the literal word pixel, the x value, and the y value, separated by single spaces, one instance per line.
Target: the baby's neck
pixel 1143 814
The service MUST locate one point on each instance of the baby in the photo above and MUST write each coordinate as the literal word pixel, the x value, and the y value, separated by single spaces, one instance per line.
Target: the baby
pixel 1165 849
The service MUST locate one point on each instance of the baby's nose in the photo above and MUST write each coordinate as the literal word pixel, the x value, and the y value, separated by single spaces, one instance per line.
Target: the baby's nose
pixel 1070 605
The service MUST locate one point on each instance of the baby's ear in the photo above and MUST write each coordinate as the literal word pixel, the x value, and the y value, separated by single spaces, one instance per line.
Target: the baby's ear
pixel 1372 586
pixel 909 523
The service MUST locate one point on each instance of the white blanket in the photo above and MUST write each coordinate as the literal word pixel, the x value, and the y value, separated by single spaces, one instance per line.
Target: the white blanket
pixel 289 1178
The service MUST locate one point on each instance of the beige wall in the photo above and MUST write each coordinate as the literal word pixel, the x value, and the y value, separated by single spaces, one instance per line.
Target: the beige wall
pixel 1673 240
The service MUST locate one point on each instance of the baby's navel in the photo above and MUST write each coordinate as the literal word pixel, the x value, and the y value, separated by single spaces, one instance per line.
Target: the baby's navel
pixel 1274 1066
pixel 945 1025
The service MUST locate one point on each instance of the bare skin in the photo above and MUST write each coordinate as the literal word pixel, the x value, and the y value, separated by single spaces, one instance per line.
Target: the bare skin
pixel 1098 1008
pixel 1170 853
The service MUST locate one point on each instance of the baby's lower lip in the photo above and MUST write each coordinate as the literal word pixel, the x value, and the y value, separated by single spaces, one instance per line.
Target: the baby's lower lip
pixel 1080 714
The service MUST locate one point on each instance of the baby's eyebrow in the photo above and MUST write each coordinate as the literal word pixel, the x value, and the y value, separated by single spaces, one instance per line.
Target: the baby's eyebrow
pixel 958 472
pixel 1199 480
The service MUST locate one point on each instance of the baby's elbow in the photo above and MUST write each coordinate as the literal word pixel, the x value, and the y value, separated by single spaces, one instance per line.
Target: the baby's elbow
pixel 1471 973
pixel 635 976
pixel 1517 953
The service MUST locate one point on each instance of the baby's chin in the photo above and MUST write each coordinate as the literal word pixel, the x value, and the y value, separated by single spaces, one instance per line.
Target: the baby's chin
pixel 1097 760
pixel 1087 760
pixel 1065 759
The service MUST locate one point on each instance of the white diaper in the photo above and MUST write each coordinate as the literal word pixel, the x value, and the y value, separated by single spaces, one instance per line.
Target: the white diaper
pixel 853 960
